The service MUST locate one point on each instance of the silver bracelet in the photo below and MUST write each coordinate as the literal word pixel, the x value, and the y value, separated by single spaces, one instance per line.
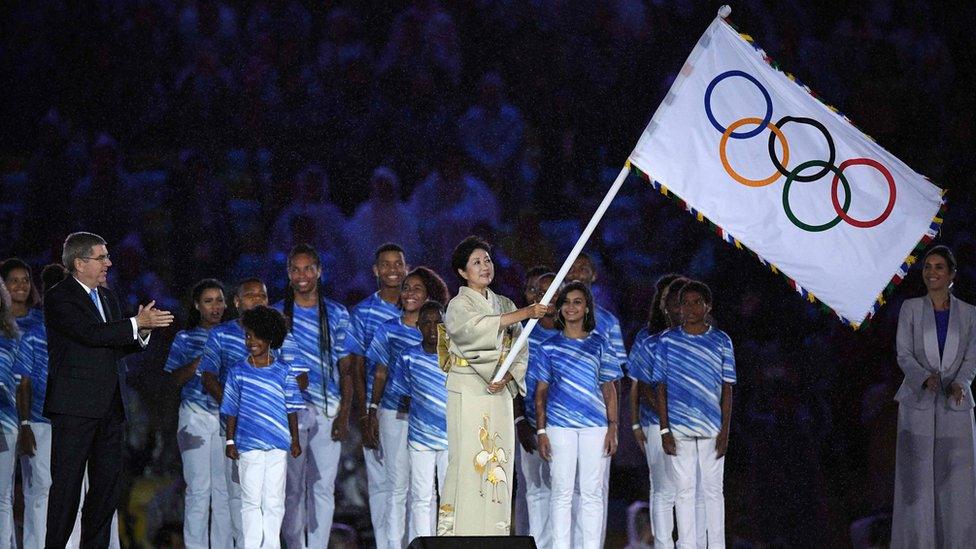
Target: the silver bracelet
pixel 540 432
pixel 25 423
pixel 519 419
pixel 636 426
pixel 230 442
pixel 665 431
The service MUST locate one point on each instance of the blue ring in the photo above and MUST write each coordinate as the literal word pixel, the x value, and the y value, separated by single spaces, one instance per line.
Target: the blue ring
pixel 711 117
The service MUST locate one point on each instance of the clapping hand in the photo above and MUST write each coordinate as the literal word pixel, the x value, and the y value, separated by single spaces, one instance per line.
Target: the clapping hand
pixel 955 392
pixel 149 317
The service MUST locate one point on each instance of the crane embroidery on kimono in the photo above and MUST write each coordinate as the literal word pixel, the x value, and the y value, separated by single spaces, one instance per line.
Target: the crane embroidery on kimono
pixel 488 462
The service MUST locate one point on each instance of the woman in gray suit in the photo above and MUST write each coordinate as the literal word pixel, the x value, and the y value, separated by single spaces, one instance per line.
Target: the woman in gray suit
pixel 935 479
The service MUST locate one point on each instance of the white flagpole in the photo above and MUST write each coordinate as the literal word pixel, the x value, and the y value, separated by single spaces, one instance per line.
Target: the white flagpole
pixel 554 287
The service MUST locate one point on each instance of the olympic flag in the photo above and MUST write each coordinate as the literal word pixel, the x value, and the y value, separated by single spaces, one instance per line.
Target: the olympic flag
pixel 751 150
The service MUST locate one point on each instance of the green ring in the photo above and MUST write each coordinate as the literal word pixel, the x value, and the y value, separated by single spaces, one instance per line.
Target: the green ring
pixel 786 196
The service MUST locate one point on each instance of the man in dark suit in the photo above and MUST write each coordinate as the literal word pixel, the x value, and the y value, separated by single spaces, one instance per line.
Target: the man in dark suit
pixel 87 338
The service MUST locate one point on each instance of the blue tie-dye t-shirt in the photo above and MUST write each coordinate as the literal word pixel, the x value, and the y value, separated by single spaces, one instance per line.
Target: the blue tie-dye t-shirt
pixel 608 326
pixel 223 350
pixel 301 350
pixel 694 367
pixel 640 368
pixel 188 346
pixel 8 405
pixel 389 342
pixel 366 318
pixel 33 318
pixel 31 362
pixel 537 337
pixel 426 384
pixel 261 399
pixel 575 369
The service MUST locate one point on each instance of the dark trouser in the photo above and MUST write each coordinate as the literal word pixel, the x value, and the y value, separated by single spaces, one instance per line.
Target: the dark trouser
pixel 77 442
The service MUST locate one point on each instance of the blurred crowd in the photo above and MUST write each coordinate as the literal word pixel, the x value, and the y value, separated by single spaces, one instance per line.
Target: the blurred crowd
pixel 218 134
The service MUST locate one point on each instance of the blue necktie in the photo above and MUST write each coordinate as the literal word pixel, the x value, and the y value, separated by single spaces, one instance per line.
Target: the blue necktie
pixel 97 302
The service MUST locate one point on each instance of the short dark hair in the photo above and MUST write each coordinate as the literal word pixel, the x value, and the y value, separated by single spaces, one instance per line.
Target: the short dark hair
pixel 589 320
pixel 52 274
pixel 13 264
pixel 699 288
pixel 433 283
pixel 941 250
pixel 461 253
pixel 387 247
pixel 267 324
pixel 193 317
pixel 77 246
pixel 537 271
pixel 431 305
pixel 246 281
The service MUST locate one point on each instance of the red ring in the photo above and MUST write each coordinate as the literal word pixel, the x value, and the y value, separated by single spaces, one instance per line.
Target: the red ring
pixel 892 191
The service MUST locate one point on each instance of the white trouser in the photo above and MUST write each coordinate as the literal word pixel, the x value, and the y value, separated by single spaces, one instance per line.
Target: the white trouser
pixel 36 477
pixel 232 479
pixel 535 472
pixel 262 496
pixel 424 464
pixel 662 493
pixel 697 464
pixel 8 462
pixel 577 453
pixel 396 462
pixel 202 452
pixel 379 490
pixel 310 495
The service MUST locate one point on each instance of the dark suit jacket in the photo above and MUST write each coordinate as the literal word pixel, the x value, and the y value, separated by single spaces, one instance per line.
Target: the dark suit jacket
pixel 84 354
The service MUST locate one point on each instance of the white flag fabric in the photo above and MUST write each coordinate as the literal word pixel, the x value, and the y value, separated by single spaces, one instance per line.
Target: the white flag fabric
pixel 777 171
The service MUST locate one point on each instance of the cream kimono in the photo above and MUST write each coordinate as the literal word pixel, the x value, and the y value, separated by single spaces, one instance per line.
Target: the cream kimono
pixel 477 495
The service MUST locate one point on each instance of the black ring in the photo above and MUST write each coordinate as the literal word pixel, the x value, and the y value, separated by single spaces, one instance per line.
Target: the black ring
pixel 830 146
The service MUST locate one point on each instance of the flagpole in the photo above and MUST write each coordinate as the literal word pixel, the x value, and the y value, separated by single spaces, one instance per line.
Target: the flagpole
pixel 561 274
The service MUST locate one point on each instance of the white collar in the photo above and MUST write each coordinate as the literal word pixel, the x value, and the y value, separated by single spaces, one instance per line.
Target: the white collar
pixel 87 289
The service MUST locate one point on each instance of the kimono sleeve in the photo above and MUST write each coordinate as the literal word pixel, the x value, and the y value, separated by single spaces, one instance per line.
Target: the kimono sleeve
pixel 471 330
pixel 231 404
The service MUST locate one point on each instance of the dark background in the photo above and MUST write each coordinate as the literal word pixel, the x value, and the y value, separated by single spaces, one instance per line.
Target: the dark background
pixel 189 133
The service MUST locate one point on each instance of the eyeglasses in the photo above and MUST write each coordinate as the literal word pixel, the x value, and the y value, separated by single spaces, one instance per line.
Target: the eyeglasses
pixel 102 258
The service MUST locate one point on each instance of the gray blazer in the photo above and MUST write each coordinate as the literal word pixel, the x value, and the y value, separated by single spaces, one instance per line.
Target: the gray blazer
pixel 918 352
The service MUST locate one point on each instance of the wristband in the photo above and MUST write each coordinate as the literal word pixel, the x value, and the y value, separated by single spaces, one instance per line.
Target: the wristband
pixel 665 431
pixel 540 432
pixel 636 426
pixel 230 442
pixel 519 419
pixel 373 406
pixel 25 423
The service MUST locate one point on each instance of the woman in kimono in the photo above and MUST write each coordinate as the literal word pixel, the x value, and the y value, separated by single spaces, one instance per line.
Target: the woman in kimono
pixel 479 328
pixel 935 480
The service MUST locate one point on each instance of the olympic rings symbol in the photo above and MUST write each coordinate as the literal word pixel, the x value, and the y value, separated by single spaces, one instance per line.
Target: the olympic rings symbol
pixel 796 174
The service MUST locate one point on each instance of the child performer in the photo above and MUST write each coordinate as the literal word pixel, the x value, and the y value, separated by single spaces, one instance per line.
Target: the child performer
pixel 261 401
pixel 426 384
pixel 576 409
